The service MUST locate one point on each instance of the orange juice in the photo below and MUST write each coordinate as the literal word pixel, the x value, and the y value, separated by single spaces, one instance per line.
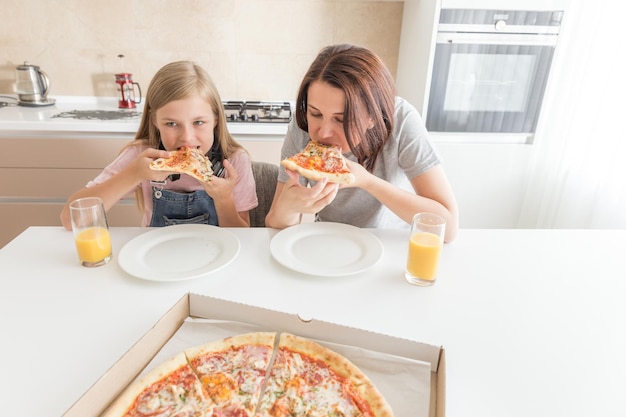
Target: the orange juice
pixel 93 244
pixel 424 252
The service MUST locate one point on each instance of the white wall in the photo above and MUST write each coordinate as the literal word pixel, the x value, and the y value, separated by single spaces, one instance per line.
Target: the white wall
pixel 253 49
pixel 488 180
pixel 577 175
pixel 500 186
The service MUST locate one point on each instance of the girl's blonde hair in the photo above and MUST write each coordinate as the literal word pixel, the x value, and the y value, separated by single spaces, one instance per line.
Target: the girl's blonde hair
pixel 176 81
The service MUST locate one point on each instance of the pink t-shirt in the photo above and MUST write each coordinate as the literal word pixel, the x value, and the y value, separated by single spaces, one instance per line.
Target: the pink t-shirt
pixel 244 192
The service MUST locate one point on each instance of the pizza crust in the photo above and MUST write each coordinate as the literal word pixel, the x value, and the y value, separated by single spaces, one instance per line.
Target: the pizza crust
pixel 258 338
pixel 341 178
pixel 127 399
pixel 342 366
pixel 337 362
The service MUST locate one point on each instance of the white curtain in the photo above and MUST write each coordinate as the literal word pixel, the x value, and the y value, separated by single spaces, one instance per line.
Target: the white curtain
pixel 578 163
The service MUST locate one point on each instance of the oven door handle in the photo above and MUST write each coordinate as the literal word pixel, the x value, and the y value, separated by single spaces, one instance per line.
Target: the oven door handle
pixel 496 39
pixel 498 28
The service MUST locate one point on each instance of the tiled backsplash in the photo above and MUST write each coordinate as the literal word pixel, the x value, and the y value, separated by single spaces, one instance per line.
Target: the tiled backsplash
pixel 253 49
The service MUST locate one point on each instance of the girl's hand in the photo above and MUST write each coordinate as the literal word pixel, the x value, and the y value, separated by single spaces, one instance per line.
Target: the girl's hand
pixel 222 188
pixel 141 165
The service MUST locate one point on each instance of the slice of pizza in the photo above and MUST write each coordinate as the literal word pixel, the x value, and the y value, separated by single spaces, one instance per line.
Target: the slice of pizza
pixel 319 161
pixel 171 389
pixel 233 370
pixel 307 379
pixel 186 160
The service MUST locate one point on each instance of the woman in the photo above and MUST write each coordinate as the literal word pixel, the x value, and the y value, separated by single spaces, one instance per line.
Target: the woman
pixel 183 108
pixel 347 98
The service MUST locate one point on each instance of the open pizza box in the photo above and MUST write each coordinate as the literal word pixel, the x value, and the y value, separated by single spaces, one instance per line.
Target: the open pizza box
pixel 411 375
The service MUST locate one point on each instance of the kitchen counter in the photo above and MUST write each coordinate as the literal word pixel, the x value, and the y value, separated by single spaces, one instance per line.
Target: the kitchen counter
pixel 21 121
pixel 55 156
pixel 532 320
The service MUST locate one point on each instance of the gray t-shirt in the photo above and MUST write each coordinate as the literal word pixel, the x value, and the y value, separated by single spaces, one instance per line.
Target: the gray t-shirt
pixel 407 154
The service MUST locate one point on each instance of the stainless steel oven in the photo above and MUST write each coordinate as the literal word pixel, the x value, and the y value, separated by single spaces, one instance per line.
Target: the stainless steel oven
pixel 490 71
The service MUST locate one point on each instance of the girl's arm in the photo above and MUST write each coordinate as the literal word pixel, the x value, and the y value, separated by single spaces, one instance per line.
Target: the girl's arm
pixel 118 185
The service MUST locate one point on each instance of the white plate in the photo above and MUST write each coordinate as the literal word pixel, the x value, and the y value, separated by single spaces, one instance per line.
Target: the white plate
pixel 326 249
pixel 179 252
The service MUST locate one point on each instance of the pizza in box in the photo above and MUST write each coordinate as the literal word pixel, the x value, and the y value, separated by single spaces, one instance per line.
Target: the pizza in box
pixel 258 374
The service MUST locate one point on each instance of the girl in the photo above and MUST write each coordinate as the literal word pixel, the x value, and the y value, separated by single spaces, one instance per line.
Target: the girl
pixel 347 98
pixel 183 108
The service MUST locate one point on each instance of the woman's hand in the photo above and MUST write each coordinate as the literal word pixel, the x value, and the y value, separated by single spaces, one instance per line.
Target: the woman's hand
pixel 310 200
pixel 292 199
pixel 361 176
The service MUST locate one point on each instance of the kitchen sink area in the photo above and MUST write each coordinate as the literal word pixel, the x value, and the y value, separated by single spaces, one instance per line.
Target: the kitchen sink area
pixel 16 120
pixel 97 116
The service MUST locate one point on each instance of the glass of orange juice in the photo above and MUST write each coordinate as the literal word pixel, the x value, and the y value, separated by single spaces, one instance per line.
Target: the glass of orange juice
pixel 91 231
pixel 425 244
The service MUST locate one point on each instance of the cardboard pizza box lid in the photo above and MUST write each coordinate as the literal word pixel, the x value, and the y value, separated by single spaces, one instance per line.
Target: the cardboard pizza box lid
pixel 95 401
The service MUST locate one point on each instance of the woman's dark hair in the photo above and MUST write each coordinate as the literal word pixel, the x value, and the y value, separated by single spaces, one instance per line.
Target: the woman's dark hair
pixel 370 97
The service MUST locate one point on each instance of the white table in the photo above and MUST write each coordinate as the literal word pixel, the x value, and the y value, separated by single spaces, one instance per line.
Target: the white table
pixel 533 321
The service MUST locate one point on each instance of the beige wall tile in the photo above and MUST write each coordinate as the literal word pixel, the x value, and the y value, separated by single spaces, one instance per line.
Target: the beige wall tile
pixel 254 49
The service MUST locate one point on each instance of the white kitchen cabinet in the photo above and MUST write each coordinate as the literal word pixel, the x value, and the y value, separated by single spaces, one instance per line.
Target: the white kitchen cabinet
pixel 416 51
pixel 39 174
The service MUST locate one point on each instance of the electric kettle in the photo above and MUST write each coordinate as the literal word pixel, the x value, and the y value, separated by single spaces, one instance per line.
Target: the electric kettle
pixel 32 86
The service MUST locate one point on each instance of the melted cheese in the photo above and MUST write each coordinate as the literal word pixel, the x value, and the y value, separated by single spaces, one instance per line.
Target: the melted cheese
pixel 321 158
pixel 186 160
pixel 234 376
pixel 179 394
pixel 300 387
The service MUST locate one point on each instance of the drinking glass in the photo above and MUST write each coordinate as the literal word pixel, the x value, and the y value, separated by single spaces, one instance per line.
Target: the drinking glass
pixel 425 244
pixel 91 231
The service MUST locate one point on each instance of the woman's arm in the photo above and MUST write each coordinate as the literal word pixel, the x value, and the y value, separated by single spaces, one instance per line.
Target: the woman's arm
pixel 433 193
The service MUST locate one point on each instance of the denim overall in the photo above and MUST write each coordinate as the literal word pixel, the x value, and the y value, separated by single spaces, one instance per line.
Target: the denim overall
pixel 171 207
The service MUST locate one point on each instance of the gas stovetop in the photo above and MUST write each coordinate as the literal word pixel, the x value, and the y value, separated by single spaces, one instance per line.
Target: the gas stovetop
pixel 257 111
